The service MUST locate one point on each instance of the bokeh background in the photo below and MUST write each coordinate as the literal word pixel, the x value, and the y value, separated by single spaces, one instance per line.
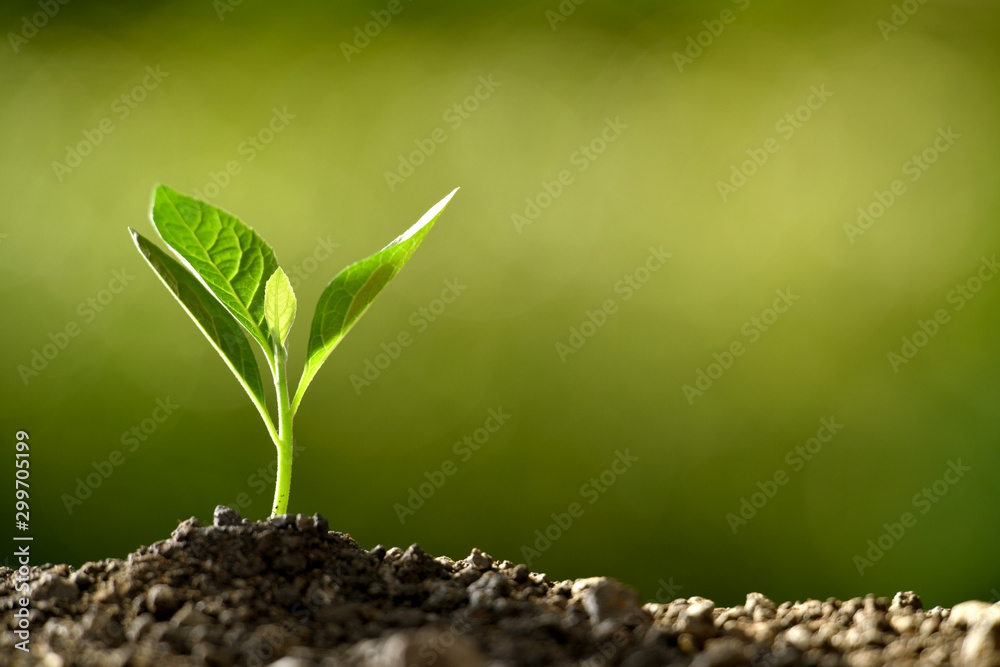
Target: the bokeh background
pixel 318 191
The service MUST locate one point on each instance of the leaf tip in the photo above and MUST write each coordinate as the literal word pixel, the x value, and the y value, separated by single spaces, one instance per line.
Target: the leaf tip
pixel 162 193
pixel 141 244
pixel 159 190
pixel 427 218
pixel 444 202
pixel 278 280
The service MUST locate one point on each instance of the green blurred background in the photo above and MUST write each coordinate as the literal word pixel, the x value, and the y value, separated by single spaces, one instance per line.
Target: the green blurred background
pixel 321 181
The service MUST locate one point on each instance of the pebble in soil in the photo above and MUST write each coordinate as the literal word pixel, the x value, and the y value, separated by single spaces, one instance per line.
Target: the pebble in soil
pixel 291 593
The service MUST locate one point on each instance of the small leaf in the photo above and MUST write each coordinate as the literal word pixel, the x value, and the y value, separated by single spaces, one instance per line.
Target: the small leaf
pixel 279 306
pixel 232 260
pixel 350 293
pixel 217 323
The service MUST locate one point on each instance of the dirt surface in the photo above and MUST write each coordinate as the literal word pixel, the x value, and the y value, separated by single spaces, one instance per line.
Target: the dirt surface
pixel 291 593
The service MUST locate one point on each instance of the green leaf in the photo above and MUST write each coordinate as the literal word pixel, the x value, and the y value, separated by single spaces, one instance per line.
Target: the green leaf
pixel 232 260
pixel 219 326
pixel 279 306
pixel 350 293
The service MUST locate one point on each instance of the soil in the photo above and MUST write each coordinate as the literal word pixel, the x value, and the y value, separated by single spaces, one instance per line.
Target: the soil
pixel 291 593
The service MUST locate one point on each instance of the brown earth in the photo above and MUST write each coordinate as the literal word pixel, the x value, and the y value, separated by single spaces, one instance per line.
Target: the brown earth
pixel 291 593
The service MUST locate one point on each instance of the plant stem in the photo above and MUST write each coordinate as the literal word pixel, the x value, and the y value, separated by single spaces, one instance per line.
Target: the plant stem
pixel 284 441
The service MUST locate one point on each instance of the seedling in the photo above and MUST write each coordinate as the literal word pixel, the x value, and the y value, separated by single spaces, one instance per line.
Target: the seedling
pixel 227 279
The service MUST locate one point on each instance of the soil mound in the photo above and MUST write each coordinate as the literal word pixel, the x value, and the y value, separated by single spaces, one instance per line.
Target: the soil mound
pixel 289 592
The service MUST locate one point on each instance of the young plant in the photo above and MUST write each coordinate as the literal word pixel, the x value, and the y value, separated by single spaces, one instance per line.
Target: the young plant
pixel 227 279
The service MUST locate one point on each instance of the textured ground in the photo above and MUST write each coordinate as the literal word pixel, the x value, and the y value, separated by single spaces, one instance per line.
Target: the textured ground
pixel 291 593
